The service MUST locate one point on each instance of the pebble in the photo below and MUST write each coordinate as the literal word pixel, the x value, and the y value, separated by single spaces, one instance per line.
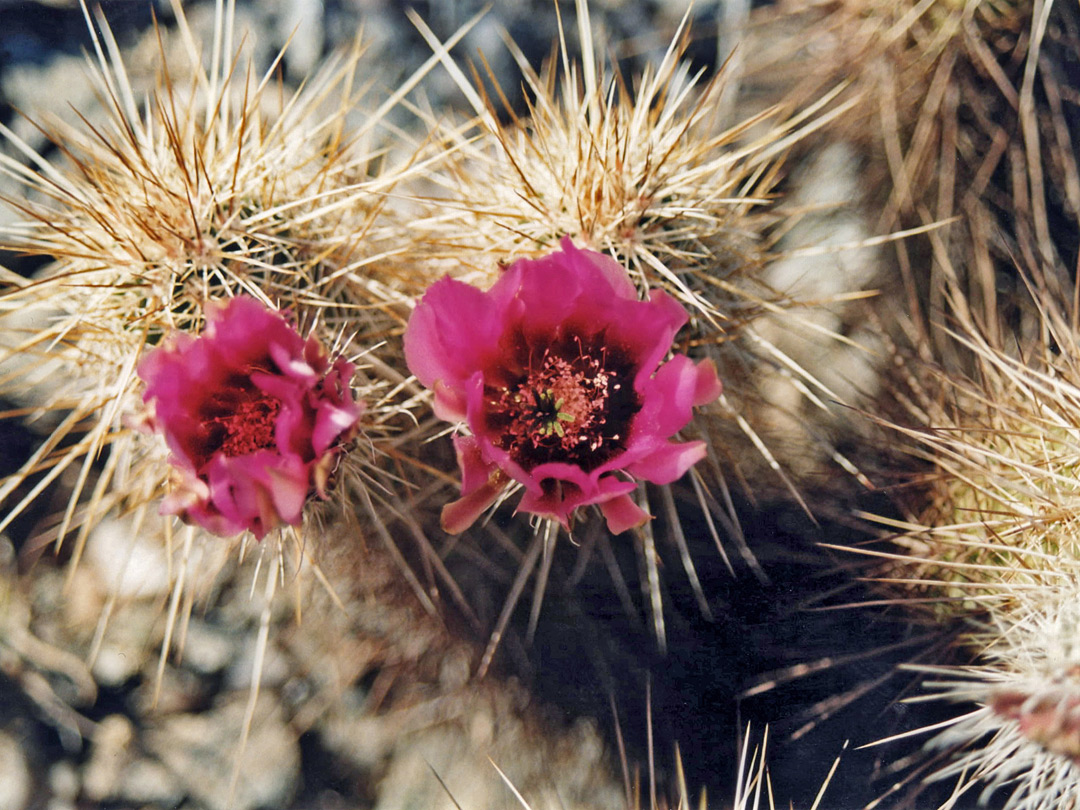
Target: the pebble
pixel 64 782
pixel 130 560
pixel 109 755
pixel 118 772
pixel 16 782
pixel 129 644
pixel 200 750
pixel 276 666
pixel 207 649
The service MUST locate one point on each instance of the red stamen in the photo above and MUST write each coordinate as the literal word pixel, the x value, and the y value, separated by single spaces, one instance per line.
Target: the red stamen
pixel 573 406
pixel 250 426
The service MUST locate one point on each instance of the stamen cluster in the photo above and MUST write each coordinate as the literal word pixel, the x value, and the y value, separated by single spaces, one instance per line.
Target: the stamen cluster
pixel 572 403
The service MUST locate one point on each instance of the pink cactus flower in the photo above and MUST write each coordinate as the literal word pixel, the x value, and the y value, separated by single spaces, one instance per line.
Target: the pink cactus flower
pixel 556 371
pixel 254 416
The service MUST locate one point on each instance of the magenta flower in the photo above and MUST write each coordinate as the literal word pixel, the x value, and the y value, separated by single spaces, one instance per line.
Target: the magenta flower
pixel 254 416
pixel 557 372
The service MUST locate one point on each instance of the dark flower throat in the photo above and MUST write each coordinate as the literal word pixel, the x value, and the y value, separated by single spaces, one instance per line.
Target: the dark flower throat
pixel 570 401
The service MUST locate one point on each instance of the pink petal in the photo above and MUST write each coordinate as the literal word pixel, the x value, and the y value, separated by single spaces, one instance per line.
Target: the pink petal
pixel 277 386
pixel 492 454
pixel 587 262
pixel 558 505
pixel 657 326
pixel 288 486
pixel 449 403
pixel 672 393
pixel 622 513
pixel 331 422
pixel 336 384
pixel 189 380
pixel 259 491
pixel 243 330
pixel 475 470
pixel 708 386
pixel 222 492
pixel 157 367
pixel 565 287
pixel 291 365
pixel 561 471
pixel 450 333
pixel 183 434
pixel 668 462
pixel 459 515
pixel 292 430
pixel 560 501
pixel 460 339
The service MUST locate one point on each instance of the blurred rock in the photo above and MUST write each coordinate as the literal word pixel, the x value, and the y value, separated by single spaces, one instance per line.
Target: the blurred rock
pixel 130 558
pixel 64 782
pixel 208 649
pixel 438 754
pixel 276 666
pixel 129 644
pixel 179 691
pixel 300 23
pixel 110 752
pixel 201 750
pixel 16 781
pixel 119 772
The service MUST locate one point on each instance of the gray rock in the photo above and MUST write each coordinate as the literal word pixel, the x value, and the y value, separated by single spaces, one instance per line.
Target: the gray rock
pixel 302 20
pixel 16 781
pixel 128 644
pixel 207 649
pixel 111 751
pixel 200 751
pixel 118 771
pixel 64 782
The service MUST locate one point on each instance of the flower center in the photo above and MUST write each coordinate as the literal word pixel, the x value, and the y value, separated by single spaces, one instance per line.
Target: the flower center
pixel 570 402
pixel 248 426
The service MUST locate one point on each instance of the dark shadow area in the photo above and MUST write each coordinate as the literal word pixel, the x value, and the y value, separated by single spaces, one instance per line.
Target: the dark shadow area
pixel 710 684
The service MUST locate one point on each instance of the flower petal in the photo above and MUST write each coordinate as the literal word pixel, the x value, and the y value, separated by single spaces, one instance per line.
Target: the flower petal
pixel 288 485
pixel 565 327
pixel 258 491
pixel 452 331
pixel 459 515
pixel 570 289
pixel 653 330
pixel 475 470
pixel 330 423
pixel 673 392
pixel 587 262
pixel 449 403
pixel 252 413
pixel 622 513
pixel 560 496
pixel 481 484
pixel 291 365
pixel 668 462
pixel 491 453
